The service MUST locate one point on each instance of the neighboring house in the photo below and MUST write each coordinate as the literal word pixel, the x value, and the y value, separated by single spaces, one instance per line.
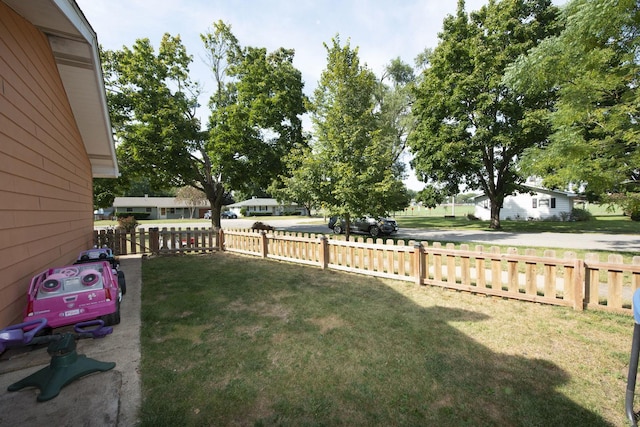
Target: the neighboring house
pixel 55 137
pixel 540 203
pixel 262 206
pixel 160 207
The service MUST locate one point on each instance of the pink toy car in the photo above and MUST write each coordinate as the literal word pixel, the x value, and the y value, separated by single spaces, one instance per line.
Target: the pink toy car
pixel 75 293
pixel 104 254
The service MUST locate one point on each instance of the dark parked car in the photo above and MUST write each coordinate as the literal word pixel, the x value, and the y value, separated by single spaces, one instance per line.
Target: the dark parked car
pixel 228 215
pixel 369 225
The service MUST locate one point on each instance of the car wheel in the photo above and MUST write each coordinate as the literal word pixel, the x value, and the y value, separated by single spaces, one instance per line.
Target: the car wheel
pixel 113 318
pixel 374 231
pixel 122 284
pixel 337 229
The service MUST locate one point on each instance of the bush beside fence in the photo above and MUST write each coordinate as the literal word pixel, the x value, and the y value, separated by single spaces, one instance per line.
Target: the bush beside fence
pixel 567 281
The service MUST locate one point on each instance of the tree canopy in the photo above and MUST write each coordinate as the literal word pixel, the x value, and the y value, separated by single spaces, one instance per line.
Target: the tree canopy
pixel 357 175
pixel 593 67
pixel 471 127
pixel 254 116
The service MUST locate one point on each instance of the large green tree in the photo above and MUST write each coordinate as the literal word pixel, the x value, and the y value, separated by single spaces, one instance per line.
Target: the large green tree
pixel 392 103
pixel 254 117
pixel 357 160
pixel 472 128
pixel 593 66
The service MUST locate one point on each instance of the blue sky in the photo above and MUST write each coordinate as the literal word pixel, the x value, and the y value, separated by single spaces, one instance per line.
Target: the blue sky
pixel 381 29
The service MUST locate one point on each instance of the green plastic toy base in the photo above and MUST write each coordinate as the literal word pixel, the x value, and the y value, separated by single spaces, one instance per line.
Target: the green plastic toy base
pixel 65 367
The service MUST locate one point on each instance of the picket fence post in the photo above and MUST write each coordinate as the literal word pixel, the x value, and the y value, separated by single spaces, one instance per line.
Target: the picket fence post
pixel 418 264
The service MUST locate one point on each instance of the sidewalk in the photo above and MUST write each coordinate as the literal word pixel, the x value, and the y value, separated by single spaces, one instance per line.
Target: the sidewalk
pixel 110 398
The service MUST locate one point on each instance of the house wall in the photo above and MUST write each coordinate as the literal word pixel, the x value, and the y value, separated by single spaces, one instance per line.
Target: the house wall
pixel 521 206
pixel 46 205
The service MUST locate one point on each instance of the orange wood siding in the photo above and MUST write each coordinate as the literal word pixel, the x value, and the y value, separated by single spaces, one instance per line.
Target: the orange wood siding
pixel 46 205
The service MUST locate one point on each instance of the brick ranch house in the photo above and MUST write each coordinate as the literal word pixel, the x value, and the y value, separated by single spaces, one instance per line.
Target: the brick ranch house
pixel 55 137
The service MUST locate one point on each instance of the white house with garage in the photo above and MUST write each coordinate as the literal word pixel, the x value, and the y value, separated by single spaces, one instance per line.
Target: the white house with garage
pixel 537 204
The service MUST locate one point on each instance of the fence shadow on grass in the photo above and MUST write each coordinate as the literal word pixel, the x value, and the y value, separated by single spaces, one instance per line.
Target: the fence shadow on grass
pixel 292 345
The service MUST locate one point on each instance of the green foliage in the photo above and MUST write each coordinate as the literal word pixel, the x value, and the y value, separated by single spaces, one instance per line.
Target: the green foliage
pixel 578 214
pixel 135 215
pixel 301 180
pixel 593 66
pixel 151 102
pixel 103 192
pixel 254 117
pixel 430 197
pixel 353 163
pixel 128 223
pixel 472 128
pixel 629 202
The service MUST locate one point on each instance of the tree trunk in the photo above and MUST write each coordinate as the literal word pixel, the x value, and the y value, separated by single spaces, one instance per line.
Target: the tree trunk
pixel 495 215
pixel 215 196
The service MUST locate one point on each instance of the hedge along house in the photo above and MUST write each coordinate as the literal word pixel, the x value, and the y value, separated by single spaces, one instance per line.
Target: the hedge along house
pixel 55 136
pixel 537 204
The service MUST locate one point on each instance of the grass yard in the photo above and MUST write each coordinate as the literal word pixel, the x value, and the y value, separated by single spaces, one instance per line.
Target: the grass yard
pixel 231 340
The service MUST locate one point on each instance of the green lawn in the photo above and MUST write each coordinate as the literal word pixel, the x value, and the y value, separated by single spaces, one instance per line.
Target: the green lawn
pixel 612 224
pixel 231 340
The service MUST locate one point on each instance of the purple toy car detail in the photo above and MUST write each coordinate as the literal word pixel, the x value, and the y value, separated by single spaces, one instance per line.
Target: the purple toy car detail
pixel 75 293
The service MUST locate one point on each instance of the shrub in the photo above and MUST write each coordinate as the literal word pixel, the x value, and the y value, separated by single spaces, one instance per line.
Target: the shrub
pixel 136 215
pixel 472 217
pixel 578 214
pixel 129 223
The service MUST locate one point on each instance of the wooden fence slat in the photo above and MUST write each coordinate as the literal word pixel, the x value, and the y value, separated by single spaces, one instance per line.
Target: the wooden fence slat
pixel 592 279
pixel 550 275
pixel 496 269
pixel 530 273
pixel 465 266
pixel 481 278
pixel 512 272
pixel 437 263
pixel 615 278
pixel 568 281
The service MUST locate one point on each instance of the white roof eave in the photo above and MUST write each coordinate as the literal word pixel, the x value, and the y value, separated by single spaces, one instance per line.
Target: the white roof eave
pixel 75 48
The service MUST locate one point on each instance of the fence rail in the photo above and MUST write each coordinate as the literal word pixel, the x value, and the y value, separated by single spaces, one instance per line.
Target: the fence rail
pixel 567 281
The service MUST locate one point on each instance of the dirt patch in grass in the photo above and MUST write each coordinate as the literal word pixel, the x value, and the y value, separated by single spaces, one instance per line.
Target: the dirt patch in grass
pixel 328 323
pixel 261 308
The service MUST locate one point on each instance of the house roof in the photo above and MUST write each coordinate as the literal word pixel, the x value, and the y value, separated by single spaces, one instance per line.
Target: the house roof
pixel 75 49
pixel 257 201
pixel 153 202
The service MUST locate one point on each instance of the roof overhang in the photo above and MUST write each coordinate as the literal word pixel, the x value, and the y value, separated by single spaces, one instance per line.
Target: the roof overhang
pixel 75 49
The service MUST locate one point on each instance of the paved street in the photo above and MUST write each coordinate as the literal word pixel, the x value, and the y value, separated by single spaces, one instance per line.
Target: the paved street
pixel 586 241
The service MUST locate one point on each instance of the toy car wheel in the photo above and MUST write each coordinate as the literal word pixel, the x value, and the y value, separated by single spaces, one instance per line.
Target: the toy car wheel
pixel 337 229
pixel 122 284
pixel 374 231
pixel 113 318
